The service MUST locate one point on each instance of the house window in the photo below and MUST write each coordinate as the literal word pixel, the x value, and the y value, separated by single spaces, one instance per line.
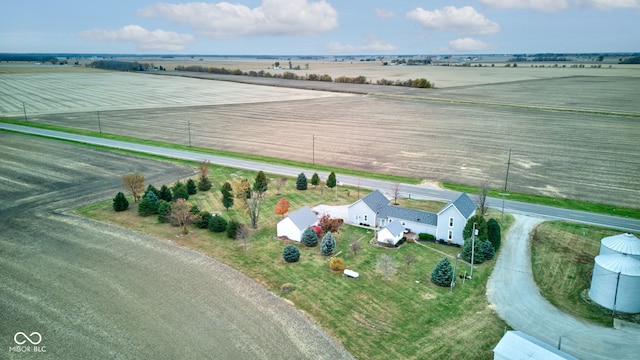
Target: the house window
pixel 366 218
pixel 450 235
pixel 450 222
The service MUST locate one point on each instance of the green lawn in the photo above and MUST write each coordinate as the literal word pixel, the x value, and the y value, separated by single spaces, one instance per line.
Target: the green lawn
pixel 405 317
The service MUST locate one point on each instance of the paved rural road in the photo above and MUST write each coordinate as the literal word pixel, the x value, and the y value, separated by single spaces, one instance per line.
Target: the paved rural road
pixel 97 291
pixel 514 295
pixel 414 191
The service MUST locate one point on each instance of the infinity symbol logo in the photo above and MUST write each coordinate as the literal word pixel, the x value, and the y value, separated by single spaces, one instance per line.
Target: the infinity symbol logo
pixel 27 338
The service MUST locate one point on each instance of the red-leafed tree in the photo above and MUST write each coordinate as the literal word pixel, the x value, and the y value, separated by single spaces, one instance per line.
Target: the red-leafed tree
pixel 329 224
pixel 282 207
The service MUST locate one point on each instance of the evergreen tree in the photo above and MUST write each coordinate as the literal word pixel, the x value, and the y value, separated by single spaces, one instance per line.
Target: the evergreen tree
pixel 204 184
pixel 148 205
pixel 260 184
pixel 301 182
pixel 315 179
pixel 152 189
pixel 165 194
pixel 179 191
pixel 232 229
pixel 164 210
pixel 203 220
pixel 494 233
pixel 291 254
pixel 120 202
pixel 217 224
pixel 331 180
pixel 192 189
pixel 442 274
pixel 481 227
pixel 310 237
pixel 227 195
pixel 478 257
pixel 328 244
pixel 487 250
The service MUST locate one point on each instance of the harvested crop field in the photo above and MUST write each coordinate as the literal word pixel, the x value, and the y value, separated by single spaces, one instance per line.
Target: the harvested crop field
pixel 571 136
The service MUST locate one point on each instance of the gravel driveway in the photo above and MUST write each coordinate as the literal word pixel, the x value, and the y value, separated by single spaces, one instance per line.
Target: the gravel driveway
pixel 514 295
pixel 96 291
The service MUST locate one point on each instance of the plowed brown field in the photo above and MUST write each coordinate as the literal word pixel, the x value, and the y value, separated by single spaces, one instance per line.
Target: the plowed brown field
pixel 572 135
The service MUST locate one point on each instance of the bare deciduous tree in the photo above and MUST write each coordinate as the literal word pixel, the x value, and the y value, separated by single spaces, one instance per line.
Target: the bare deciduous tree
pixel 483 191
pixel 181 214
pixel 203 169
pixel 386 265
pixel 134 183
pixel 355 246
pixel 409 259
pixel 242 234
pixel 279 184
pixel 395 192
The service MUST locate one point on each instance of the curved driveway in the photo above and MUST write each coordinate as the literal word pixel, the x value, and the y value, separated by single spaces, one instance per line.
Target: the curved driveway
pixel 514 295
pixel 96 291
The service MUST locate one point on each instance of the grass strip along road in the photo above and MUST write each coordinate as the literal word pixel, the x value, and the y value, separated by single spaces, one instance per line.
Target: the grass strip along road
pixel 412 191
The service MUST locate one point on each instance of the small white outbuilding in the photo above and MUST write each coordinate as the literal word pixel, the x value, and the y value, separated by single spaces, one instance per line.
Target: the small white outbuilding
pixel 296 223
pixel 391 234
pixel 516 345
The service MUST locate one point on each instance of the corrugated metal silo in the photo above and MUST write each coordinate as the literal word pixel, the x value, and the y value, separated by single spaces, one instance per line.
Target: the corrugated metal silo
pixel 615 283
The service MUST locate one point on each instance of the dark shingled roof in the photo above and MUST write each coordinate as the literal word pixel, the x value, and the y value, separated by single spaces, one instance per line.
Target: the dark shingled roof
pixel 376 201
pixel 464 204
pixel 419 216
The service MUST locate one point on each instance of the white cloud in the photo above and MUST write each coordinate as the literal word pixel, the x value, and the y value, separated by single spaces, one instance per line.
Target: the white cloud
pixel 385 14
pixel 273 17
pixel 142 38
pixel 468 45
pixel 559 5
pixel 464 20
pixel 370 45
pixel 609 4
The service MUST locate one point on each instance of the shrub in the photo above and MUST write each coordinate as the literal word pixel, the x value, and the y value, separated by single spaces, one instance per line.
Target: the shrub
pixel 478 257
pixel 426 237
pixel 336 264
pixel 148 205
pixel 301 182
pixel 164 209
pixel 179 191
pixel 120 202
pixel 217 224
pixel 442 274
pixel 192 188
pixel 165 193
pixel 291 254
pixel 310 237
pixel 481 227
pixel 328 244
pixel 232 229
pixel 203 220
pixel 152 189
pixel 494 233
pixel 487 250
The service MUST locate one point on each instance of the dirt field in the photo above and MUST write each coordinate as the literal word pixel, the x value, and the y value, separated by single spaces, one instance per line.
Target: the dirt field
pixel 573 132
pixel 97 291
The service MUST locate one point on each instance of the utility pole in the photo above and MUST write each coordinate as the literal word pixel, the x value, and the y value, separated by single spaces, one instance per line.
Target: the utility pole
pixel 503 195
pixel 313 149
pixel 99 126
pixel 506 180
pixel 453 278
pixel 473 247
pixel 189 129
pixel 25 112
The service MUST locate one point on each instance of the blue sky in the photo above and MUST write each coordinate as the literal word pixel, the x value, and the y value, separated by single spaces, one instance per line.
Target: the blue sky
pixel 321 27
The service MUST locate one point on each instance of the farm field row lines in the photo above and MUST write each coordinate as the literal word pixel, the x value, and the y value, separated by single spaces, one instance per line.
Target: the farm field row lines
pixel 585 156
